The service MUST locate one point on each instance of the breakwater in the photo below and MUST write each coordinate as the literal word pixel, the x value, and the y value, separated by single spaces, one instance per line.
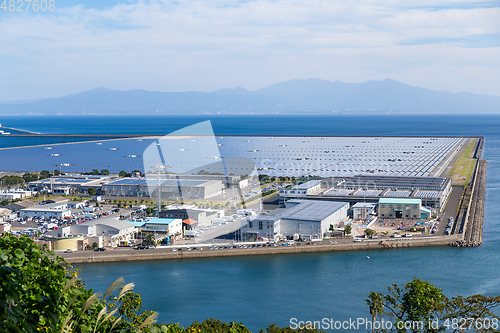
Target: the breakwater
pixel 165 254
pixel 471 216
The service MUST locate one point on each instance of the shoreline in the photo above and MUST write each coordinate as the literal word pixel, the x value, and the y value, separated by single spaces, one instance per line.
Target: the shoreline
pixel 166 254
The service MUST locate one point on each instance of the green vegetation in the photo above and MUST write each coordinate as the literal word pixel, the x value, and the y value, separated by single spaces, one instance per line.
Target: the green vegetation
pixel 427 309
pixel 40 292
pixel 348 229
pixel 461 171
pixel 370 232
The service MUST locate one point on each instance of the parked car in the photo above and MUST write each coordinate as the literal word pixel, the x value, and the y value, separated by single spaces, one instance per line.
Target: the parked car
pixel 151 247
pixel 140 247
pixel 100 249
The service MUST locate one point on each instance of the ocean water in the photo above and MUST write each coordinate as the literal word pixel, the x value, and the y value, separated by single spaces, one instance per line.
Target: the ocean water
pixel 258 291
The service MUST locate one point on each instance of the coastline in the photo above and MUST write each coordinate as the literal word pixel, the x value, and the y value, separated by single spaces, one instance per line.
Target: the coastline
pixel 166 254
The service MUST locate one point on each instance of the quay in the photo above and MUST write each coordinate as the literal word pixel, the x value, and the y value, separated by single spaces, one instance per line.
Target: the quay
pixel 166 253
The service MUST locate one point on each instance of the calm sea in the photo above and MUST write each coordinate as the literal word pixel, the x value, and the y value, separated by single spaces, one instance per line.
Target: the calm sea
pixel 273 289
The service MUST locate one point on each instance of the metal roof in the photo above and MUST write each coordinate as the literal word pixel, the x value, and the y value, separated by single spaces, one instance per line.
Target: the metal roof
pixel 157 220
pixel 399 201
pixel 312 210
pixel 307 185
pixel 364 205
pixel 113 222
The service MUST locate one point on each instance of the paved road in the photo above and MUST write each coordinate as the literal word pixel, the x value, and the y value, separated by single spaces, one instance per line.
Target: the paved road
pixel 450 209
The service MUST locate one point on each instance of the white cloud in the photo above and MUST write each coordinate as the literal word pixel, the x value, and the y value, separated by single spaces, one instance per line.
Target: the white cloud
pixel 208 45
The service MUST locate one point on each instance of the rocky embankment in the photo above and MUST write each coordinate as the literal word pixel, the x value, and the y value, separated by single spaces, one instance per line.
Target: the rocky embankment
pixel 473 233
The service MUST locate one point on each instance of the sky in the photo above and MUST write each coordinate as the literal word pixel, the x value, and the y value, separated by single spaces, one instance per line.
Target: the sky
pixel 206 45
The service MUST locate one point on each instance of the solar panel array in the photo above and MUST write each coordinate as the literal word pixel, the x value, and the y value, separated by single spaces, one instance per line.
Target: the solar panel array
pixel 341 156
pixel 370 193
pixel 427 194
pixel 338 192
pixel 399 194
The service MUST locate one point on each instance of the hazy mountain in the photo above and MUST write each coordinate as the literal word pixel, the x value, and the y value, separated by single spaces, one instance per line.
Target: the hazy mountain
pixel 311 95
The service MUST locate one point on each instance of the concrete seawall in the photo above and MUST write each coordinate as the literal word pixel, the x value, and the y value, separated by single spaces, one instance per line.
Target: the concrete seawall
pixel 473 218
pixel 164 254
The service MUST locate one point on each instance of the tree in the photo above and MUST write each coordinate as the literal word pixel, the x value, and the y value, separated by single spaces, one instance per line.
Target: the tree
pixel 104 172
pixel 347 229
pixel 94 172
pixel 95 245
pixel 370 232
pixel 92 191
pixel 30 177
pixel 45 174
pixel 428 310
pixel 150 239
pixel 331 227
pixel 123 173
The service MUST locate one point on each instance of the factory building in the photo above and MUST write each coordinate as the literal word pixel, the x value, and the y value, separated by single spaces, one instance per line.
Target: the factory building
pixel 67 184
pixel 306 219
pixel 162 228
pixel 302 190
pixel 402 209
pixel 171 189
pixel 202 217
pixel 363 210
pixel 106 232
pixel 56 210
pixel 432 191
pixel 232 181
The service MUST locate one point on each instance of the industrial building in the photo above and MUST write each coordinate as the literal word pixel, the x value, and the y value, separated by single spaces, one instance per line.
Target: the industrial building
pixel 402 209
pixel 432 191
pixel 231 181
pixel 56 210
pixel 307 219
pixel 363 211
pixel 106 232
pixel 202 217
pixel 171 189
pixel 302 190
pixel 161 228
pixel 67 184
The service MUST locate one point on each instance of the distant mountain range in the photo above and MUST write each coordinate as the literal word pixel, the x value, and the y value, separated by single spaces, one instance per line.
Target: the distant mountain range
pixel 295 96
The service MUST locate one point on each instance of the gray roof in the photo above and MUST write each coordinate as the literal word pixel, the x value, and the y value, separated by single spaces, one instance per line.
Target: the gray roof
pixel 364 205
pixel 306 210
pixel 109 221
pixel 307 185
pixel 312 210
pixel 19 205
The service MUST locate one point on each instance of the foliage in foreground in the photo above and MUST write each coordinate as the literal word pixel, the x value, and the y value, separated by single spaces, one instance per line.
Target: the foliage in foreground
pixel 418 306
pixel 40 292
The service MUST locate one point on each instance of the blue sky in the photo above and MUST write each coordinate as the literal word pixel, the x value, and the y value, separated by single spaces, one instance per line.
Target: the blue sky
pixel 206 45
